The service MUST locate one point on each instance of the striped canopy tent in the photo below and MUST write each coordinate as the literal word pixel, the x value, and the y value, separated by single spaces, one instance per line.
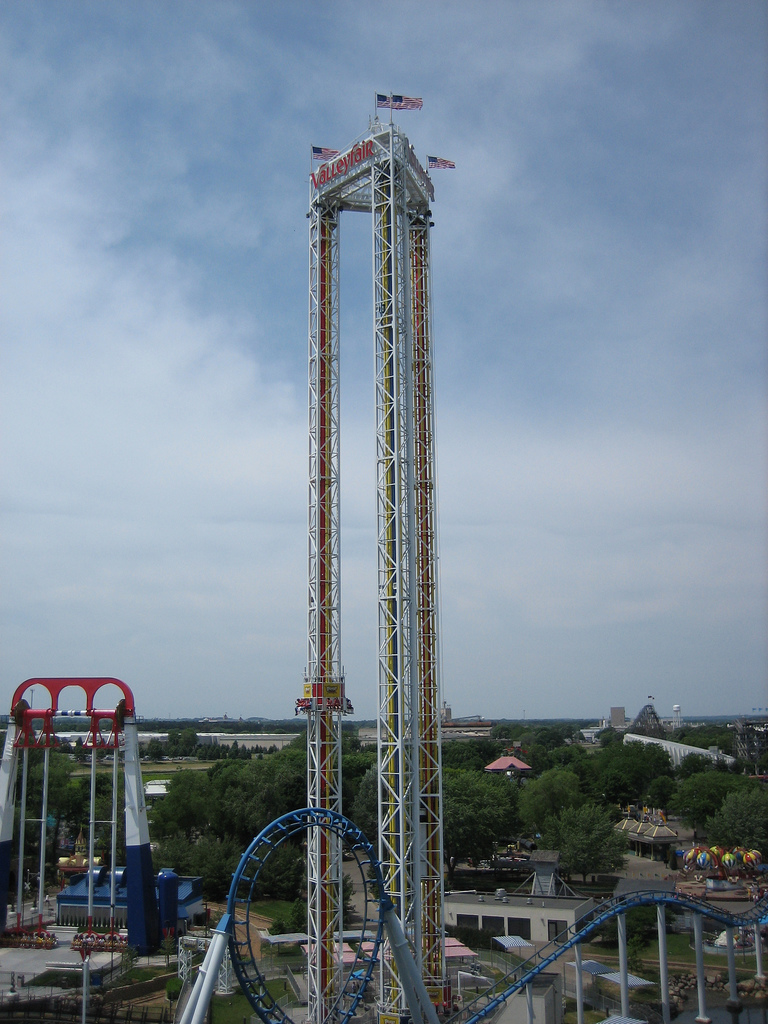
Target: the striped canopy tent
pixel 632 980
pixel 456 950
pixel 591 967
pixel 510 942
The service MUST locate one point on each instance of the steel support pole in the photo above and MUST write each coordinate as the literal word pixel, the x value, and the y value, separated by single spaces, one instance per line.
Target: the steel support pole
pixel 22 830
pixel 758 951
pixel 701 1017
pixel 529 1001
pixel 91 839
pixel 733 990
pixel 621 920
pixel 43 835
pixel 200 997
pixel 86 985
pixel 661 927
pixel 579 987
pixel 113 852
pixel 418 999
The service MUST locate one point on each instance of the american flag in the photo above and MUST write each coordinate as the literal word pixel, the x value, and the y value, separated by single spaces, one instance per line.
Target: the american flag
pixel 399 102
pixel 321 153
pixel 439 163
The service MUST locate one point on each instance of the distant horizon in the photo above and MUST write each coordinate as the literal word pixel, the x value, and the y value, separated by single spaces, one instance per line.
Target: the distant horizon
pixel 372 721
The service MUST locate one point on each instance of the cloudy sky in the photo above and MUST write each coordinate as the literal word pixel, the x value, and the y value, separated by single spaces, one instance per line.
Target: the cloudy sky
pixel 600 317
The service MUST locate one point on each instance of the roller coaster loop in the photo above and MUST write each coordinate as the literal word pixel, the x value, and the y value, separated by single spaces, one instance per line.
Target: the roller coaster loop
pixel 244 889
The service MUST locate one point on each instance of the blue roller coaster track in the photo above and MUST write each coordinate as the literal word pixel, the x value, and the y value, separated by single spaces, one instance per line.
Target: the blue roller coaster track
pixel 517 979
pixel 377 905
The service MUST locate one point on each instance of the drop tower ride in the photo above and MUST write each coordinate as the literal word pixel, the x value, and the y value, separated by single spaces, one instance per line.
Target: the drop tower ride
pixel 381 175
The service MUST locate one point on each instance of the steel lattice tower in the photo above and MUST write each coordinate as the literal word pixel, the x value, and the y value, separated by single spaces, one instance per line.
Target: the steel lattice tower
pixel 378 174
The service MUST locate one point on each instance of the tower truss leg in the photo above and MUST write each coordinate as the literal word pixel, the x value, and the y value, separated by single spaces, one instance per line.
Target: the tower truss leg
pixel 395 725
pixel 429 817
pixel 324 698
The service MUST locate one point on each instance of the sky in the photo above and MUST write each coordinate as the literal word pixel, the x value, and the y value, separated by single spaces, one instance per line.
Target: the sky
pixel 600 314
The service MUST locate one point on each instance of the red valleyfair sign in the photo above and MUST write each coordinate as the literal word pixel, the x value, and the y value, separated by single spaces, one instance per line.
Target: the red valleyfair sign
pixel 343 165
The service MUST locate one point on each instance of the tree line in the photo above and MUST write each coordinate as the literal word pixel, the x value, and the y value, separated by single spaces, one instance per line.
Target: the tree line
pixel 210 816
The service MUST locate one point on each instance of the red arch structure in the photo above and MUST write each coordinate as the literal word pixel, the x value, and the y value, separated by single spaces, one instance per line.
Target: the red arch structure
pixel 89 684
pixel 115 729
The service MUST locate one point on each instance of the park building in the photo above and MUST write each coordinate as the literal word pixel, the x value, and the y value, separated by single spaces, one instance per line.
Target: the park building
pixel 179 898
pixel 679 751
pixel 535 918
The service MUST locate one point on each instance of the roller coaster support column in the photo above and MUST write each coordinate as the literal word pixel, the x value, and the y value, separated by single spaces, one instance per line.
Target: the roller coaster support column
pixel 416 995
pixel 197 1005
pixel 92 840
pixel 733 990
pixel 701 1017
pixel 22 838
pixel 758 951
pixel 143 928
pixel 43 830
pixel 529 1001
pixel 621 920
pixel 580 987
pixel 7 801
pixel 661 928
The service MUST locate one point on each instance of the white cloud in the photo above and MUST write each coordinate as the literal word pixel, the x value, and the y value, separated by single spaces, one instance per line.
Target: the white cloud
pixel 600 315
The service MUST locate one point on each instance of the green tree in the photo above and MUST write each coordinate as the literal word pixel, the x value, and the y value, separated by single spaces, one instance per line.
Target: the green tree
pixel 479 812
pixel 741 820
pixel 365 809
pixel 155 750
pixel 699 796
pixel 635 948
pixel 548 796
pixel 355 764
pixel 694 764
pixel 173 989
pixel 297 919
pixel 282 876
pixel 215 860
pixel 641 927
pixel 625 771
pixel 705 736
pixel 661 791
pixel 586 839
pixel 466 755
pixel 185 806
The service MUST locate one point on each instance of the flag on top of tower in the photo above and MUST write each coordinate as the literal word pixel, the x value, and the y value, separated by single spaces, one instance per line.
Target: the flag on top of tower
pixel 399 102
pixel 438 162
pixel 321 153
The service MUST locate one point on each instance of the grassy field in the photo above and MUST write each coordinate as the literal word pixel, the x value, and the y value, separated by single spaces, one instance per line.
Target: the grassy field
pixel 590 1016
pixel 235 1008
pixel 272 908
pixel 680 956
pixel 231 1009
